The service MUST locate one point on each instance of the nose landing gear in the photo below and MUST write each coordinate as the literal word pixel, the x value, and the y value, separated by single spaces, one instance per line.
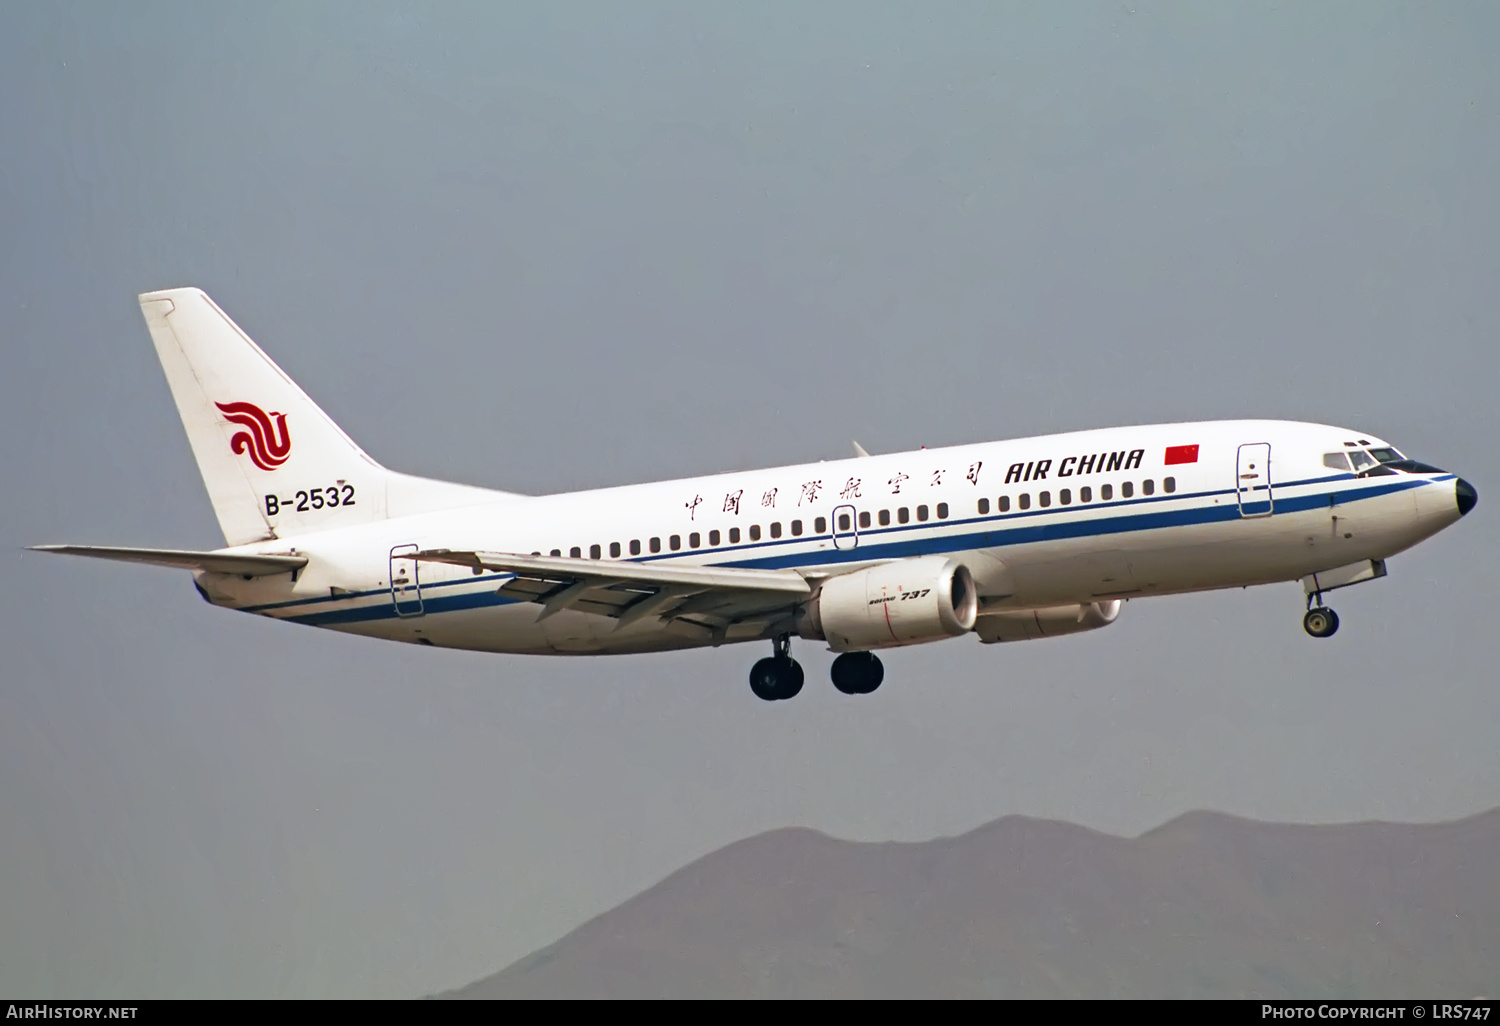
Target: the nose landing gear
pixel 778 676
pixel 1320 621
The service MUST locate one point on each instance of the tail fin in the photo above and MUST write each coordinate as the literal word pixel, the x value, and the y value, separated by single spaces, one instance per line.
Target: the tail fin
pixel 274 463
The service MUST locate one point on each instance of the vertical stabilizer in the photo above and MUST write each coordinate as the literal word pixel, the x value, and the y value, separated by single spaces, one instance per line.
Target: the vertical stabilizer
pixel 273 462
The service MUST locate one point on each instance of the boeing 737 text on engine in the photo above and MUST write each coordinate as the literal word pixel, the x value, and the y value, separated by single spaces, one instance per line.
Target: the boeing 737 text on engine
pixel 1008 540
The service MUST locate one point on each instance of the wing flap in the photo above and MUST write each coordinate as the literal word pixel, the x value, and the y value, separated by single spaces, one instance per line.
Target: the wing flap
pixel 243 564
pixel 608 571
pixel 630 592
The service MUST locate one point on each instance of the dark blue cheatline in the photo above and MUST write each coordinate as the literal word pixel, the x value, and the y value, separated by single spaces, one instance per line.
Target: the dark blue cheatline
pixel 994 537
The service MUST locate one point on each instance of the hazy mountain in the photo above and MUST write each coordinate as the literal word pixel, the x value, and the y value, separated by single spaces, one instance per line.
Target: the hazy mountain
pixel 1205 906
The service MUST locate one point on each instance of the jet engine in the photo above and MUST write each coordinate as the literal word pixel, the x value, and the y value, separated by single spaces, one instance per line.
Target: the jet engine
pixel 904 602
pixel 1048 622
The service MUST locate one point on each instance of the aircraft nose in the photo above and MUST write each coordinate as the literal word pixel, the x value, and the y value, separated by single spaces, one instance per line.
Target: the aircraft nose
pixel 1467 497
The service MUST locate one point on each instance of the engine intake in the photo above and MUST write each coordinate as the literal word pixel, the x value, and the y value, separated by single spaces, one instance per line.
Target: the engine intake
pixel 904 602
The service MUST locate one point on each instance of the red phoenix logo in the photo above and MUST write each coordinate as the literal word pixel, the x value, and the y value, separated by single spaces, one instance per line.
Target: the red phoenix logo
pixel 268 443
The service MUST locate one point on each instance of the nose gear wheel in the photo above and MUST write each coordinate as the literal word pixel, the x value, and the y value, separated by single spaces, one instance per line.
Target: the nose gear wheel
pixel 1321 622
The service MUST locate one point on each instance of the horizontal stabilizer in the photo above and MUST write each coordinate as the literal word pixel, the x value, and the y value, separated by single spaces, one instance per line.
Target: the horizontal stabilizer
pixel 246 565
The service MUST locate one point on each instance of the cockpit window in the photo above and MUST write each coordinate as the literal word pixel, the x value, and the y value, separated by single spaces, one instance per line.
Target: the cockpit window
pixel 1361 460
pixel 1413 467
pixel 1386 455
pixel 1336 461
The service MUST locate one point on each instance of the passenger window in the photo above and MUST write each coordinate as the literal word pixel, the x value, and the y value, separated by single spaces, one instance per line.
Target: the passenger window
pixel 942 511
pixel 1065 497
pixel 1106 492
pixel 734 536
pixel 1148 487
pixel 755 532
pixel 1005 504
pixel 1126 489
pixel 635 546
pixel 903 515
pixel 694 540
pixel 885 518
pixel 921 512
pixel 614 550
pixel 796 528
pixel 555 552
pixel 820 525
pixel 984 506
pixel 593 552
pixel 864 520
pixel 713 537
pixel 1045 499
pixel 1085 494
pixel 844 522
pixel 1336 461
pixel 776 529
pixel 1169 484
pixel 575 552
pixel 675 542
pixel 1025 502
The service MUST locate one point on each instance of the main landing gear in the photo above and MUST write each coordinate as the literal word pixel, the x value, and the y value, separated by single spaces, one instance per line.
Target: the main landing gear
pixel 857 673
pixel 779 676
pixel 1320 621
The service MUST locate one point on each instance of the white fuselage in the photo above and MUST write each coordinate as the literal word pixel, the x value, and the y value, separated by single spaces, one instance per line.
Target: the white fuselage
pixel 1039 522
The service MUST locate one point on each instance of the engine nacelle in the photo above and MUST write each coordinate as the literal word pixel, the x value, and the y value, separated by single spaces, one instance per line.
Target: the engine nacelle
pixel 904 602
pixel 1049 622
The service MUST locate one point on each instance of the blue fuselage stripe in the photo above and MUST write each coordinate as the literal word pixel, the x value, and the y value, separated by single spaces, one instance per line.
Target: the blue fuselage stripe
pixel 994 533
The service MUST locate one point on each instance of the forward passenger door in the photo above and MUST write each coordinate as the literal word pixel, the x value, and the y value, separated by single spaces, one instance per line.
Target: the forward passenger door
pixel 1253 479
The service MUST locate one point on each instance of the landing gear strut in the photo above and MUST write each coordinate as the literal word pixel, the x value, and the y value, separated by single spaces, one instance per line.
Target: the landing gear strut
pixel 1320 621
pixel 857 673
pixel 778 676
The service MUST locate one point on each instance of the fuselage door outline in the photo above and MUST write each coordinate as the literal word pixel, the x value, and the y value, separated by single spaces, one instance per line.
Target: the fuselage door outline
pixel 845 524
pixel 406 582
pixel 1253 479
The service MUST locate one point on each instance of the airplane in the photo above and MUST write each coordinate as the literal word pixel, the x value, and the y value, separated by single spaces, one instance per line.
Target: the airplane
pixel 1009 540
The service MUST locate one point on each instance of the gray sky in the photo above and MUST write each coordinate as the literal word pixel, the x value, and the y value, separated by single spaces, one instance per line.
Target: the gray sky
pixel 543 247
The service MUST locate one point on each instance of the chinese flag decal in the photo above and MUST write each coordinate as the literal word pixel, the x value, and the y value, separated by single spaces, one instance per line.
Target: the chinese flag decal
pixel 1181 454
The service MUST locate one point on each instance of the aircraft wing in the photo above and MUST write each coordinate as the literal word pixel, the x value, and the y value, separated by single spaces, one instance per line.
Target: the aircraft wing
pixel 705 601
pixel 245 565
